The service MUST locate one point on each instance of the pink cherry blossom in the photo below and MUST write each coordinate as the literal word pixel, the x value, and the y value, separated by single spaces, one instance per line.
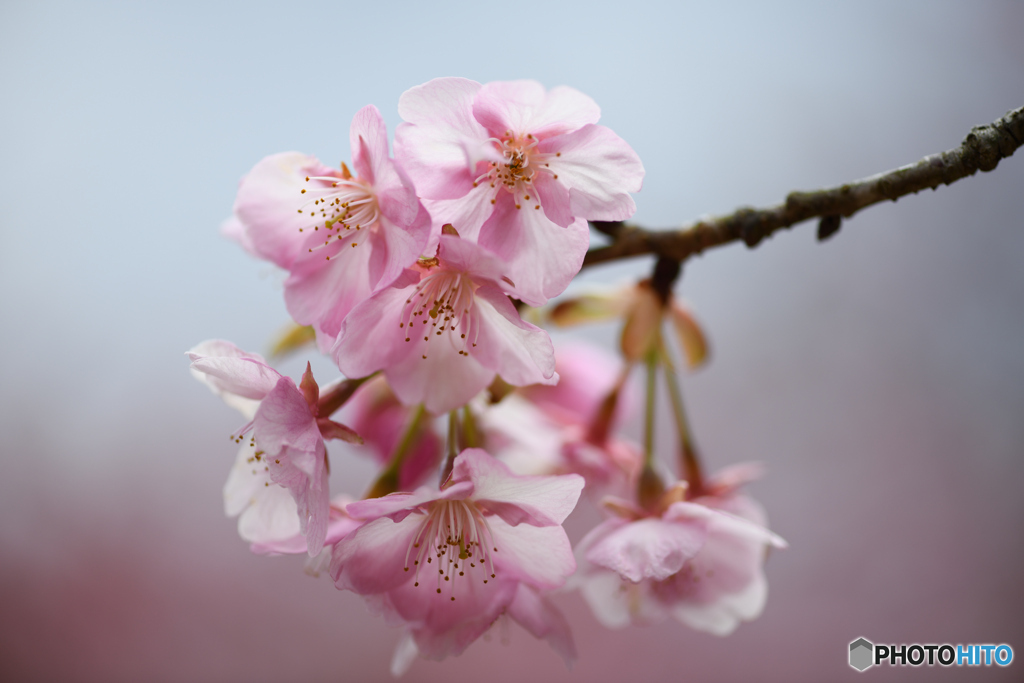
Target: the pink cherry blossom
pixel 698 561
pixel 341 237
pixel 444 330
pixel 286 449
pixel 518 169
pixel 447 563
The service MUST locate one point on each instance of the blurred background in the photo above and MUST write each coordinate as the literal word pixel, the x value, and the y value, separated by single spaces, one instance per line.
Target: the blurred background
pixel 879 375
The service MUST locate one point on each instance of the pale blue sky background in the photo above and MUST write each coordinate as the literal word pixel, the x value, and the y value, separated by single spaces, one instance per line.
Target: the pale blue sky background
pixel 879 375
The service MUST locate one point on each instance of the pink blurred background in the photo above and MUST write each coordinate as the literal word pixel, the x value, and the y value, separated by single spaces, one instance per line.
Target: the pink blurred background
pixel 879 376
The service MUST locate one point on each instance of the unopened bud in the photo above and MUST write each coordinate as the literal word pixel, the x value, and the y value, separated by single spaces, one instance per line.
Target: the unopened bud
pixel 640 333
pixel 691 336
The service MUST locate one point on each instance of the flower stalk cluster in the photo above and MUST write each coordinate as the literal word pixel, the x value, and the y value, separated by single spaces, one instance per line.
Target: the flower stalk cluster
pixel 413 273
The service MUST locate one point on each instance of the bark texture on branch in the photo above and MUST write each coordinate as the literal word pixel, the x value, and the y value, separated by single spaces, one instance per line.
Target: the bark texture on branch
pixel 982 149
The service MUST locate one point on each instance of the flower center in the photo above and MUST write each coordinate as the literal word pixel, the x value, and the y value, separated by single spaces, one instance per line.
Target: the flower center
pixel 455 533
pixel 519 166
pixel 338 206
pixel 441 304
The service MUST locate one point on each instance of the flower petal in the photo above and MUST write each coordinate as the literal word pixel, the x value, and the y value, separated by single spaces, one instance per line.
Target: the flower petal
pixel 431 146
pixel 518 351
pixel 268 203
pixel 228 370
pixel 370 338
pixel 539 556
pixel 523 107
pixel 368 137
pixel 467 213
pixel 648 548
pixel 542 257
pixel 373 559
pixel 543 620
pixel 599 169
pixel 539 501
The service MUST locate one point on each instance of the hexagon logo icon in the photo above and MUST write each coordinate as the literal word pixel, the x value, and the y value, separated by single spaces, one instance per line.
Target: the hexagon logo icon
pixel 861 654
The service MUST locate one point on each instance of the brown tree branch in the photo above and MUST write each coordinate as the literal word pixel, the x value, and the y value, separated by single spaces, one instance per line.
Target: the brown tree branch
pixel 982 149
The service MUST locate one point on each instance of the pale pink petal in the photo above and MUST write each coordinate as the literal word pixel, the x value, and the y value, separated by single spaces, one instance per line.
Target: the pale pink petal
pixel 406 653
pixel 373 559
pixel 448 381
pixel 397 506
pixel 368 137
pixel 321 292
pixel 226 369
pixel 431 146
pixel 463 255
pixel 339 526
pixel 370 338
pixel 554 200
pixel 467 213
pixel 540 501
pixel 443 627
pixel 542 257
pixel 724 522
pixel 723 616
pixel 518 351
pixel 617 603
pixel 283 419
pixel 727 480
pixel 523 107
pixel 396 196
pixel 271 518
pixel 542 619
pixel 539 556
pixel 648 548
pixel 402 246
pixel 268 203
pixel 599 169
pixel 235 230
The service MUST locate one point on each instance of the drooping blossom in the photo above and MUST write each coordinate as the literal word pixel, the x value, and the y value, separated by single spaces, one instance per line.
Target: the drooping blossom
pixel 377 415
pixel 340 237
pixel 519 170
pixel 570 426
pixel 447 563
pixel 286 447
pixel 444 330
pixel 698 561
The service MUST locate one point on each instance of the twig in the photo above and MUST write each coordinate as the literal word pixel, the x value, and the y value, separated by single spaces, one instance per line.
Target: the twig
pixel 982 149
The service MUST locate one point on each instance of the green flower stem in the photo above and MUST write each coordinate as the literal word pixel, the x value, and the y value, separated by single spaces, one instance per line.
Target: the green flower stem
pixel 689 461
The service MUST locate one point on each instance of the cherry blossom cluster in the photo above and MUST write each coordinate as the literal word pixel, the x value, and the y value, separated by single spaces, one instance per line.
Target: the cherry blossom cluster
pixel 413 273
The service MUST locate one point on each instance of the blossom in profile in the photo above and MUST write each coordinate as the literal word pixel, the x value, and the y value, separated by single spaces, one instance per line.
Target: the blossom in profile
pixel 286 448
pixel 444 330
pixel 340 236
pixel 520 170
pixel 447 563
pixel 699 561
